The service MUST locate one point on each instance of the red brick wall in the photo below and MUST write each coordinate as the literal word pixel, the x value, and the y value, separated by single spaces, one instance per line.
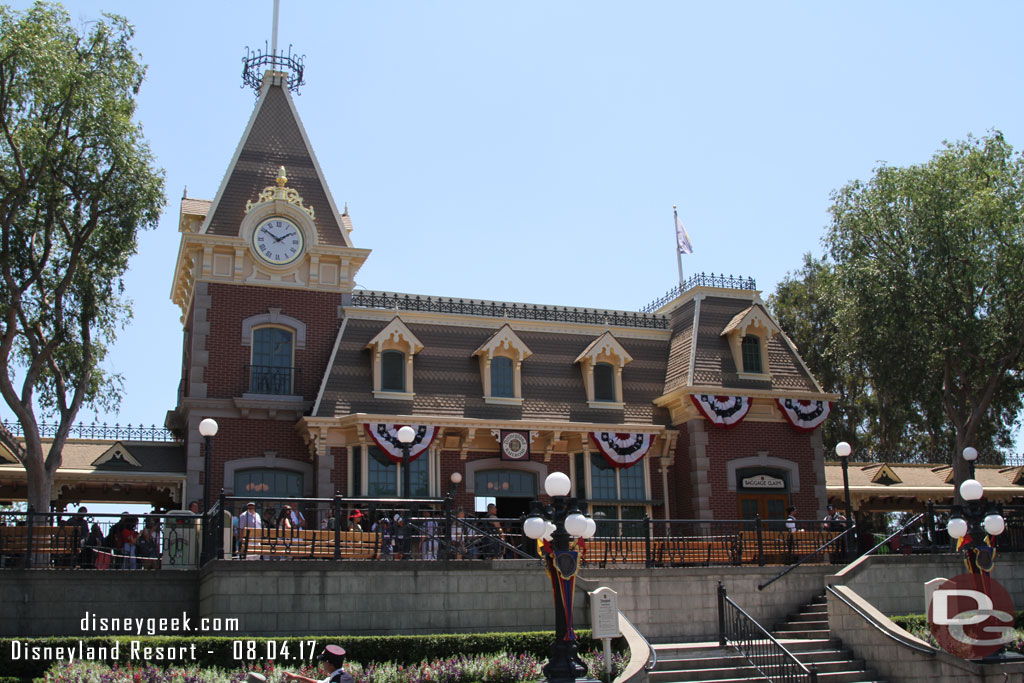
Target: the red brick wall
pixel 238 438
pixel 748 439
pixel 339 475
pixel 681 490
pixel 231 304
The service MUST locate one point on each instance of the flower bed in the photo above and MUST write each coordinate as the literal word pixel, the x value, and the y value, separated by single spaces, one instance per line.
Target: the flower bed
pixel 494 668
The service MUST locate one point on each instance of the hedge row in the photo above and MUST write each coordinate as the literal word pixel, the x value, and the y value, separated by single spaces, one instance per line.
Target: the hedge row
pixel 919 622
pixel 235 652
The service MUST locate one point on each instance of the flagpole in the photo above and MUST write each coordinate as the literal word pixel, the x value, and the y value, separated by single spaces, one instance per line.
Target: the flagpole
pixel 679 254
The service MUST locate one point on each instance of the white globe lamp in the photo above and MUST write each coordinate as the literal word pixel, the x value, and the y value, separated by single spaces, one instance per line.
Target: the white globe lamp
pixel 534 527
pixel 406 434
pixel 557 484
pixel 957 527
pixel 843 449
pixel 208 427
pixel 971 489
pixel 576 524
pixel 994 524
pixel 591 528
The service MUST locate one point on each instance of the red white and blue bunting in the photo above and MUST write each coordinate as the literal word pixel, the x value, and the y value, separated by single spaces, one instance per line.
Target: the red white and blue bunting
pixel 385 435
pixel 724 411
pixel 804 415
pixel 622 450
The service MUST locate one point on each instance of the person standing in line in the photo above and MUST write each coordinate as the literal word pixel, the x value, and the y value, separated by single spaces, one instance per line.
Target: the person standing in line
pixel 791 519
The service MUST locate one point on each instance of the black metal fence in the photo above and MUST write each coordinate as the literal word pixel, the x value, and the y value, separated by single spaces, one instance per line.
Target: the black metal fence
pixel 271 379
pixel 761 649
pixel 32 540
pixel 114 432
pixel 427 529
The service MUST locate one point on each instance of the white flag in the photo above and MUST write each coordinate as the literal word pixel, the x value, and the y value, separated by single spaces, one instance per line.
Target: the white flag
pixel 682 239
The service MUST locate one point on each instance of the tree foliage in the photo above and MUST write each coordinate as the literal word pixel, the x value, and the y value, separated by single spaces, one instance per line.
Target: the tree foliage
pixel 923 301
pixel 77 183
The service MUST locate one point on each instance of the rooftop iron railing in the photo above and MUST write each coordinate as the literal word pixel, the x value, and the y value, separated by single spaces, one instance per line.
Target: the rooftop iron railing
pixel 100 432
pixel 701 280
pixel 503 309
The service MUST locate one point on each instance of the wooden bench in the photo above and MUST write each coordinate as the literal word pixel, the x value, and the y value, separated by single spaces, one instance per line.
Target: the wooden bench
pixel 308 544
pixel 603 552
pixel 786 547
pixel 698 550
pixel 55 541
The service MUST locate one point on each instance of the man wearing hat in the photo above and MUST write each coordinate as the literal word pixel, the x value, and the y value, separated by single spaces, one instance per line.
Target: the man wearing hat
pixel 331 661
pixel 248 520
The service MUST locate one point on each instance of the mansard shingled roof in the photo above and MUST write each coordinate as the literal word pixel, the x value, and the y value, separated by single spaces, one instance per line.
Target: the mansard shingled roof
pixel 447 377
pixel 274 138
pixel 697 342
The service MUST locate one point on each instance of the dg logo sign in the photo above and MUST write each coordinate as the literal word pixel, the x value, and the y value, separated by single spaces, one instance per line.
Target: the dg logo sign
pixel 971 616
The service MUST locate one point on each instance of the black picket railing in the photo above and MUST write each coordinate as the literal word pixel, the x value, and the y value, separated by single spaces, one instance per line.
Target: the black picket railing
pixel 760 648
pixel 701 280
pixel 503 309
pixel 114 432
pixel 271 379
pixel 36 540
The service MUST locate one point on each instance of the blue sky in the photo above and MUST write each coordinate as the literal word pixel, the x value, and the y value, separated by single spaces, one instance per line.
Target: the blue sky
pixel 532 151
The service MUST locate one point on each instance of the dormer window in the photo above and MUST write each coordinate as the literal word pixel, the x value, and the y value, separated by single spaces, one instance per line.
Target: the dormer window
pixel 392 371
pixel 502 377
pixel 604 382
pixel 602 362
pixel 393 350
pixel 501 367
pixel 748 334
pixel 751 348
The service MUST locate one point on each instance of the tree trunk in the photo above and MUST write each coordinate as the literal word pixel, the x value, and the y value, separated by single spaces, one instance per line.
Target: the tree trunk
pixel 40 485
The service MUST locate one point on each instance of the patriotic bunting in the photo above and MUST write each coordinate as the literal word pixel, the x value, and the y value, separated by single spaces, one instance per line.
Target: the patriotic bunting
pixel 386 437
pixel 622 450
pixel 724 411
pixel 804 415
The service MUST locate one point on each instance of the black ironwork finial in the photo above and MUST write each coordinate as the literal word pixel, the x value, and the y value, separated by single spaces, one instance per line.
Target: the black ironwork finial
pixel 258 61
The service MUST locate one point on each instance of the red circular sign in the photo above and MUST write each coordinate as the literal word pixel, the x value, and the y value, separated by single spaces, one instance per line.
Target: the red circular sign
pixel 971 616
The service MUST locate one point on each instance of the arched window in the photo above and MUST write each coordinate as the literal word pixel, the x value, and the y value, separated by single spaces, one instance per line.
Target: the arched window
pixel 272 360
pixel 392 371
pixel 604 382
pixel 751 348
pixel 502 377
pixel 269 483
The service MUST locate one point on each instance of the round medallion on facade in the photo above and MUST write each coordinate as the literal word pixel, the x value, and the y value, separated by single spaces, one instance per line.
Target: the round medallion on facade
pixel 278 241
pixel 515 446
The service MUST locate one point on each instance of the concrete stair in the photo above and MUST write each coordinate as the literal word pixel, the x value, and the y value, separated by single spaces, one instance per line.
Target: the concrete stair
pixel 805 634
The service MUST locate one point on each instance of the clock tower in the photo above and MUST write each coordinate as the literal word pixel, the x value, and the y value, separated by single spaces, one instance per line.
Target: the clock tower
pixel 259 279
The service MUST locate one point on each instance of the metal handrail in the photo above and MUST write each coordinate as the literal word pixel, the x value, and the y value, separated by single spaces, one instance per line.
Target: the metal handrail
pixel 811 674
pixel 894 534
pixel 892 636
pixel 803 559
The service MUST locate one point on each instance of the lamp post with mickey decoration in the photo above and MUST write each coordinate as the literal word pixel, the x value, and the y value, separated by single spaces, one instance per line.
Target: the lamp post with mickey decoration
pixel 561 529
pixel 975 524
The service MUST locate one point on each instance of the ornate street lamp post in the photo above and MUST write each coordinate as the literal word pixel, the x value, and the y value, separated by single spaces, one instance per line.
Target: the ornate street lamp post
pixel 405 436
pixel 560 528
pixel 975 523
pixel 843 450
pixel 208 430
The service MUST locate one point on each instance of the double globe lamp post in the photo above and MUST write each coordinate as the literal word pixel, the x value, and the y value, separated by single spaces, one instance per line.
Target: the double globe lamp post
pixel 559 527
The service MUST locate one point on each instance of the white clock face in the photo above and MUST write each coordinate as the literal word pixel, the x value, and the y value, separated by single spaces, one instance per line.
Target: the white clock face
pixel 278 241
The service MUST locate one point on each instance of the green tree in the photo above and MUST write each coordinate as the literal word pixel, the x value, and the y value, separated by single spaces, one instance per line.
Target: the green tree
pixel 929 293
pixel 77 183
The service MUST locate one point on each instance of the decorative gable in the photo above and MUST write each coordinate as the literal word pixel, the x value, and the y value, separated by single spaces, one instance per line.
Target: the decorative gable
pixel 748 334
pixel 604 351
pixel 885 476
pixel 117 454
pixel 396 335
pixel 504 343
